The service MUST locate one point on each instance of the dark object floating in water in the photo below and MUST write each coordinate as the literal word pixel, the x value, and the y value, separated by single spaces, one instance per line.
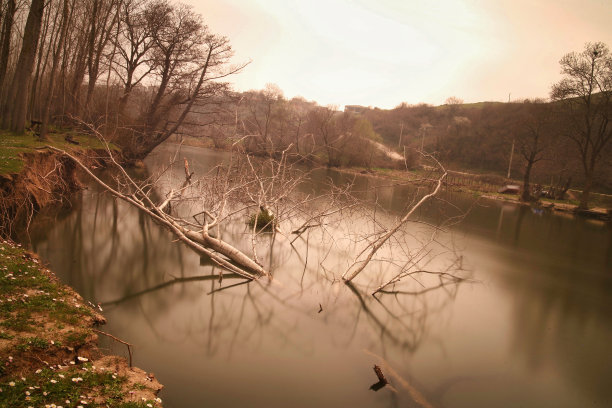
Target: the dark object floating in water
pixel 509 189
pixel 382 381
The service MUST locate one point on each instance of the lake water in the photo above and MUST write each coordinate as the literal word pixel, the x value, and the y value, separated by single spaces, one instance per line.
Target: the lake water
pixel 531 328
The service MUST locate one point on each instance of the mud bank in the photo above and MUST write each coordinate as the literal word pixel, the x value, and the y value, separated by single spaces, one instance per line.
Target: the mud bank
pixel 45 178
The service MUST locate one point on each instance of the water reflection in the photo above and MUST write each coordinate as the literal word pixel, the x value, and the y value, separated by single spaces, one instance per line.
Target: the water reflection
pixel 534 331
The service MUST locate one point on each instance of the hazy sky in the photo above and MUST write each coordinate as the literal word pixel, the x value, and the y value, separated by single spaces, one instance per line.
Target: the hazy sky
pixel 383 52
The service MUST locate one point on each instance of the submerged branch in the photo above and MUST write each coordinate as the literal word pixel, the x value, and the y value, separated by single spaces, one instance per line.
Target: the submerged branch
pixel 372 248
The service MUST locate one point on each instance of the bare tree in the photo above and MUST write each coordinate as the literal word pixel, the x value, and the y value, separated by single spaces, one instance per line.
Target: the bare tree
pixel 14 116
pixel 586 94
pixel 7 30
pixel 134 44
pixel 188 63
pixel 55 65
pixel 103 18
pixel 533 138
pixel 384 234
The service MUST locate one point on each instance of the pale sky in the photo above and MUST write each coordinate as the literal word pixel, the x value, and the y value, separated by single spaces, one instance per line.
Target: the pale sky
pixel 384 52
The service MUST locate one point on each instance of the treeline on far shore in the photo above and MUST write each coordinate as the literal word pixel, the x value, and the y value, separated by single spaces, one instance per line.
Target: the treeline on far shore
pixel 138 71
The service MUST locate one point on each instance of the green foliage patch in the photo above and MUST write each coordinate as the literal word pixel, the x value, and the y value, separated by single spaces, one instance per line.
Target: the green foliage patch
pixel 13 146
pixel 26 291
pixel 65 388
pixel 262 221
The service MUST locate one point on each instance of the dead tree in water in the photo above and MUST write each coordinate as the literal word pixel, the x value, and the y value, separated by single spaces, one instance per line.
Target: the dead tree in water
pixel 196 211
pixel 196 236
pixel 385 234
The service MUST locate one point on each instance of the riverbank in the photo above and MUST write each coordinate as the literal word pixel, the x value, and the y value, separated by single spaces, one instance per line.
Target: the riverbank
pixel 485 186
pixel 49 350
pixel 49 354
pixel 487 189
pixel 32 177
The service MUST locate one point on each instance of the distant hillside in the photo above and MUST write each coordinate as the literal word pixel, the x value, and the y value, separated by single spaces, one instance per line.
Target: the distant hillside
pixel 478 137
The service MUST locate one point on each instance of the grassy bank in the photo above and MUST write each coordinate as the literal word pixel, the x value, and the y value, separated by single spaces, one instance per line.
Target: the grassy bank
pixel 48 345
pixel 13 148
pixel 487 186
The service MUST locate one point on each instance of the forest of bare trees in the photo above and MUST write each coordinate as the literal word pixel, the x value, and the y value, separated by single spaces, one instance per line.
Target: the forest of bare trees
pixel 135 69
pixel 139 71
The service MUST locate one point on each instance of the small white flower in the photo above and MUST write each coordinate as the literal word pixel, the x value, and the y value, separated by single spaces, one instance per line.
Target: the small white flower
pixel 76 379
pixel 60 375
pixel 82 358
pixel 53 381
pixel 38 371
pixel 12 383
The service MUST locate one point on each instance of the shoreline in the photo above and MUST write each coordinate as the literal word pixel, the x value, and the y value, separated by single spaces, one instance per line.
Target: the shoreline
pixel 49 351
pixel 596 212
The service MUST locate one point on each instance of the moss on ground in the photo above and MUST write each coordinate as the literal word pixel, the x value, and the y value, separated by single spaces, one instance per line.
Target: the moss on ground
pixel 48 352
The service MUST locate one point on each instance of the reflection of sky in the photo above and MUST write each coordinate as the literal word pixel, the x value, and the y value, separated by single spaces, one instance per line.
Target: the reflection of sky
pixel 532 329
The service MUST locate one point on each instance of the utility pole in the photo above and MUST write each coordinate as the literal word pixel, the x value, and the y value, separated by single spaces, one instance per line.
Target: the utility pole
pixel 511 150
pixel 399 143
pixel 511 154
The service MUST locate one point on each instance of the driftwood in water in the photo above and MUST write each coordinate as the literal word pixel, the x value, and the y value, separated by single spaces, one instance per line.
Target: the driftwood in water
pixel 382 381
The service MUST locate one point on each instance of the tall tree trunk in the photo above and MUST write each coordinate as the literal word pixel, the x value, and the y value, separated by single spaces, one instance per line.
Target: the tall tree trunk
pixel 586 191
pixel 56 54
pixel 7 30
pixel 526 195
pixel 18 94
pixel 103 34
pixel 39 63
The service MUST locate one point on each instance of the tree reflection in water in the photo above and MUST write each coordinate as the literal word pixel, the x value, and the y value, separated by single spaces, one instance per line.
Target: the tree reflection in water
pixel 168 301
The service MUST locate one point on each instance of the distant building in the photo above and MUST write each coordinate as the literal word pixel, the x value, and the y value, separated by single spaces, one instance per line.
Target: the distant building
pixel 355 108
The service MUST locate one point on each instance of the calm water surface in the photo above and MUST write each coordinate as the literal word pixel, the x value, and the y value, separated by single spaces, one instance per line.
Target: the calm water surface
pixel 533 328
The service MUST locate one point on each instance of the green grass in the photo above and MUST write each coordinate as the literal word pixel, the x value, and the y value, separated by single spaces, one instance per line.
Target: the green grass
pixel 25 292
pixel 39 320
pixel 67 387
pixel 13 145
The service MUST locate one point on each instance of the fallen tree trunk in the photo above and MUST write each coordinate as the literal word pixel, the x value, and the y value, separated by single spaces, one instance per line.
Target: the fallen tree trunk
pixel 219 251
